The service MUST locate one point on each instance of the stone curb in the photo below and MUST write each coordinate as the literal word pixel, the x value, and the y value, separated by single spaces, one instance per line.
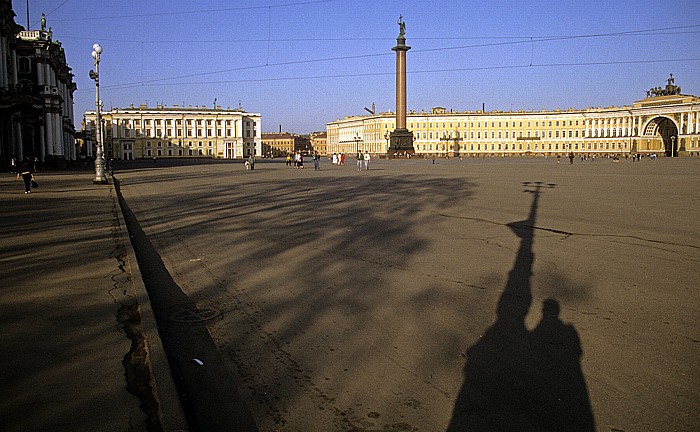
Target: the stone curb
pixel 170 412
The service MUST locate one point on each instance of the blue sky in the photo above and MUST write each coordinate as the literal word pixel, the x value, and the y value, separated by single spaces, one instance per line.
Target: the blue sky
pixel 303 63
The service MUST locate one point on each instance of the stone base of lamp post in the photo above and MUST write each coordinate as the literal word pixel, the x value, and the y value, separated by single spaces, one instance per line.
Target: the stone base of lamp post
pixel 400 144
pixel 100 177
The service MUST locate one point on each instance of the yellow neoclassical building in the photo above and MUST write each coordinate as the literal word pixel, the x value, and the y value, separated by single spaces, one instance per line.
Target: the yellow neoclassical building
pixel 665 122
pixel 176 132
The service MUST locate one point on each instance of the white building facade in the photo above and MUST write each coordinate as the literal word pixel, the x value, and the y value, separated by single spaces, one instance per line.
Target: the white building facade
pixel 176 132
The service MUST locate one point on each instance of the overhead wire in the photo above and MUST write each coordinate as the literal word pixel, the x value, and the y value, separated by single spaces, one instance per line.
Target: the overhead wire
pixel 530 40
pixel 191 12
pixel 430 71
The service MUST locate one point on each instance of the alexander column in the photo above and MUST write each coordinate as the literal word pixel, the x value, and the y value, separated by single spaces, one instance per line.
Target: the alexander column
pixel 401 138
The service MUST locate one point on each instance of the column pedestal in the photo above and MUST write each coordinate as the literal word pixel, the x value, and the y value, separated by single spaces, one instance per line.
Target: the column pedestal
pixel 400 144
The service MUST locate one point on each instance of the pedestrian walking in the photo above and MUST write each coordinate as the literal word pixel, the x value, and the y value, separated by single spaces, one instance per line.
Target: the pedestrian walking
pixel 366 158
pixel 360 159
pixel 571 158
pixel 317 161
pixel 27 173
pixel 342 158
pixel 334 161
pixel 110 166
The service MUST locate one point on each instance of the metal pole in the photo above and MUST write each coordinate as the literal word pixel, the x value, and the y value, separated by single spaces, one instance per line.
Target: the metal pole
pixel 99 160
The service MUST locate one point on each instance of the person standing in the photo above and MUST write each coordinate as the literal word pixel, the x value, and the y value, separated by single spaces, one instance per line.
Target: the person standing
pixel 27 174
pixel 366 157
pixel 317 161
pixel 359 158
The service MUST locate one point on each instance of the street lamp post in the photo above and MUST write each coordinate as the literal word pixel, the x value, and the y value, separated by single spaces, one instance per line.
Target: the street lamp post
pixel 357 143
pixel 673 144
pixel 99 159
pixel 386 137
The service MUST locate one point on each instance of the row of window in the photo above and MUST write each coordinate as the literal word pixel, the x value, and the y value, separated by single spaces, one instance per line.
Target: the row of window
pixel 188 122
pixel 190 152
pixel 526 147
pixel 170 144
pixel 528 134
pixel 159 133
pixel 555 123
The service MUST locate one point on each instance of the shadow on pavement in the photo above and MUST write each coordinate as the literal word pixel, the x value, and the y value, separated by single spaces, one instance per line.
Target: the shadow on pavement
pixel 517 379
pixel 207 391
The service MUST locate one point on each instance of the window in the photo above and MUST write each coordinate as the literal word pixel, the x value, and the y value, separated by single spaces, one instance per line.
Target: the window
pixel 25 66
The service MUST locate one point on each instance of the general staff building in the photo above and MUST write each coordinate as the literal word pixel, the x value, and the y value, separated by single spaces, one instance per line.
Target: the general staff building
pixel 666 122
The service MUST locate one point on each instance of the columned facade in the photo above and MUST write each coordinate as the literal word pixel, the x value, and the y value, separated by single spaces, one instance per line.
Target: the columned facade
pixel 175 132
pixel 36 94
pixel 664 125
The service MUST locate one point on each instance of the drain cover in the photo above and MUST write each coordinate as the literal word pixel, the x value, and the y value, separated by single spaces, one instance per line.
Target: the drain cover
pixel 196 314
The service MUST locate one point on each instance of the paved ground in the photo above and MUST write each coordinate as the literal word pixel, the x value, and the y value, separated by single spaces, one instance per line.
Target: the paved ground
pixel 71 327
pixel 466 295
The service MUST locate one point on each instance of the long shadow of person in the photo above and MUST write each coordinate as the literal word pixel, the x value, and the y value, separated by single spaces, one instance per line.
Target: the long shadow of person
pixel 521 380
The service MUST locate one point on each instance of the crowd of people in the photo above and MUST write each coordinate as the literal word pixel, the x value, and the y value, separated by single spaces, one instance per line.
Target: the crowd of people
pixel 297 160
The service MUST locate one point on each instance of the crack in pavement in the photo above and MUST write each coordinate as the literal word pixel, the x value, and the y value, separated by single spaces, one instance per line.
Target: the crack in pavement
pixel 568 234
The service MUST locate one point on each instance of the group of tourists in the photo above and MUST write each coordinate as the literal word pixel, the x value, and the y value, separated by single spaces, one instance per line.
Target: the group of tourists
pixel 296 158
pixel 338 159
pixel 362 159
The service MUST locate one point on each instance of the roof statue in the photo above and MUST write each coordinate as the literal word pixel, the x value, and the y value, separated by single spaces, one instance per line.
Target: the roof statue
pixel 670 89
pixel 402 26
pixel 43 22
